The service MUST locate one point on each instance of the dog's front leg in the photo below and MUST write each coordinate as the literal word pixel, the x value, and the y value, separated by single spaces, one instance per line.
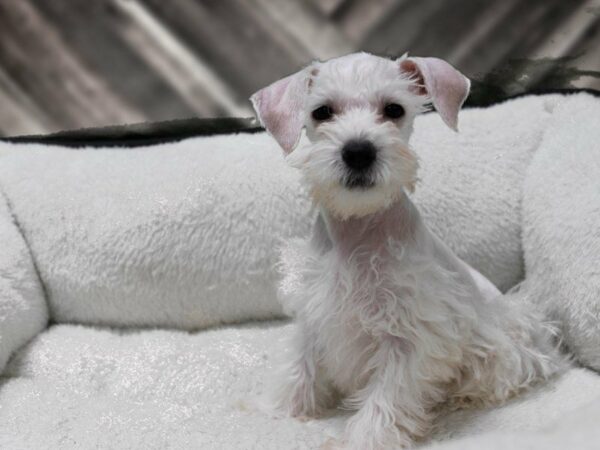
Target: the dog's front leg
pixel 300 390
pixel 390 407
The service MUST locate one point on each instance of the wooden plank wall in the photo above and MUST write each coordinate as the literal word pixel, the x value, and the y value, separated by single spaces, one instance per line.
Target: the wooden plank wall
pixel 67 64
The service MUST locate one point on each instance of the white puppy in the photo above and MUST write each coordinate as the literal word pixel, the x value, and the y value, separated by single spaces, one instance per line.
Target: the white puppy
pixel 388 318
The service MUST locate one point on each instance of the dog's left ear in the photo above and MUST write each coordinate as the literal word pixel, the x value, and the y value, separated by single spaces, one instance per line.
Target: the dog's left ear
pixel 280 108
pixel 446 86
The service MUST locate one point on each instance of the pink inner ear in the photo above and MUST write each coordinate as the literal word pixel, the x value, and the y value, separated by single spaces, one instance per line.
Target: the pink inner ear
pixel 280 108
pixel 411 68
pixel 447 87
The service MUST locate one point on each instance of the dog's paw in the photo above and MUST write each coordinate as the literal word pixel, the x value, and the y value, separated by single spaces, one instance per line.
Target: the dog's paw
pixel 302 405
pixel 287 406
pixel 302 401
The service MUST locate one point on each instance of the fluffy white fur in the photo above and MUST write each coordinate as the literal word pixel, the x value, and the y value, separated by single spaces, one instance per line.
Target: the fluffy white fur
pixel 320 162
pixel 389 319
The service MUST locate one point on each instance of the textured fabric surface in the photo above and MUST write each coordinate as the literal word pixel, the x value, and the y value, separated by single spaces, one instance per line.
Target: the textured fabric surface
pixel 79 387
pixel 561 225
pixel 23 311
pixel 185 235
pixel 181 235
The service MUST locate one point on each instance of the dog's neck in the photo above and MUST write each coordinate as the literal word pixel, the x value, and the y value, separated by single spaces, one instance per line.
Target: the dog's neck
pixel 400 222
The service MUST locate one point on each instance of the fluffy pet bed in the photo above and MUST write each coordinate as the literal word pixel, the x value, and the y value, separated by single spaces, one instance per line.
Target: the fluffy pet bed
pixel 137 295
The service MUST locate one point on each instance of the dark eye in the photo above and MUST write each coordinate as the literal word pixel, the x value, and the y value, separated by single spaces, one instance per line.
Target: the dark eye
pixel 393 110
pixel 322 113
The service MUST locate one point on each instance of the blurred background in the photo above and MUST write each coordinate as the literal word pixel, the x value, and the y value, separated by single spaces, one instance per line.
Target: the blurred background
pixel 67 64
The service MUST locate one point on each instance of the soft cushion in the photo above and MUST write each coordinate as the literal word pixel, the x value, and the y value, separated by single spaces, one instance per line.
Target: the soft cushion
pixel 185 234
pixel 23 309
pixel 80 387
pixel 179 235
pixel 561 225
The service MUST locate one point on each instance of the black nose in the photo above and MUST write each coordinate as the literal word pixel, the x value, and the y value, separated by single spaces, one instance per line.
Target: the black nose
pixel 359 155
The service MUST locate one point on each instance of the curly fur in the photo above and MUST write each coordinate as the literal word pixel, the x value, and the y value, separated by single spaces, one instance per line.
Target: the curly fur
pixel 389 321
pixel 403 315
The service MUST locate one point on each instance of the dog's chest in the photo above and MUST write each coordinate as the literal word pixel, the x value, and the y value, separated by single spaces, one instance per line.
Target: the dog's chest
pixel 358 292
pixel 358 282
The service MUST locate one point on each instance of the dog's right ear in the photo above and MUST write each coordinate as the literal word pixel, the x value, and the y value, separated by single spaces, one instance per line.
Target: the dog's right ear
pixel 280 108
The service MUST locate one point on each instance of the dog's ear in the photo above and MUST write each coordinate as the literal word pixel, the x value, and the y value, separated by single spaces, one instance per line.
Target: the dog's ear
pixel 446 87
pixel 280 108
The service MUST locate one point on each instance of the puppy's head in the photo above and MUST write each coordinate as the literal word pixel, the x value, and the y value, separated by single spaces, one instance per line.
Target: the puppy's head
pixel 358 111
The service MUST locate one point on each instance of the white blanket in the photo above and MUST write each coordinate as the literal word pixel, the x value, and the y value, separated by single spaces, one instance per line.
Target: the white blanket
pixel 184 236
